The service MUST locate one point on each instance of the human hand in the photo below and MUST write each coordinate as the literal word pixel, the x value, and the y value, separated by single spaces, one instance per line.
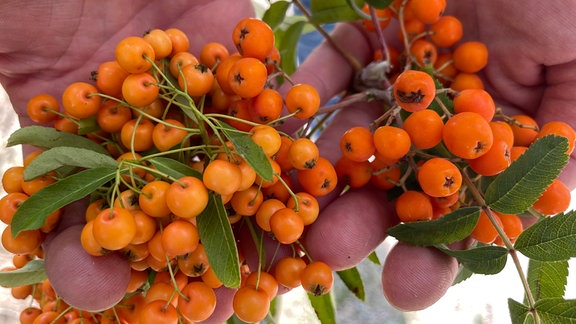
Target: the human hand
pixel 523 78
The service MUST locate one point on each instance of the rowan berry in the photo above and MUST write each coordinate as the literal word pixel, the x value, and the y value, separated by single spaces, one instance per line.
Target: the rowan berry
pixel 413 206
pixel 357 144
pixel 464 81
pixel 446 31
pixel 439 177
pixel 494 161
pixel 559 128
pixel 467 135
pixel 424 128
pixel 475 100
pixel 352 173
pixel 424 52
pixel 471 56
pixel 525 130
pixel 555 199
pixel 484 231
pixel 391 142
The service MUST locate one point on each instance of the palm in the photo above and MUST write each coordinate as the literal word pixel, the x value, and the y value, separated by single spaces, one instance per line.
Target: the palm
pixel 85 34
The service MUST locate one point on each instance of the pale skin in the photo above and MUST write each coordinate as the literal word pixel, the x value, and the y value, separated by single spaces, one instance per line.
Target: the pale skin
pixel 532 70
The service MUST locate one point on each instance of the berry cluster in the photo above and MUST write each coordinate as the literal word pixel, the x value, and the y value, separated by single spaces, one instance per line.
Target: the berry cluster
pixel 214 117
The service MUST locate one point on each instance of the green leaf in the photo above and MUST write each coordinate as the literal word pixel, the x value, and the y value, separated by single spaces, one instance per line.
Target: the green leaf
pixel 482 260
pixel 374 258
pixel 380 4
pixel 463 275
pixel 550 239
pixel 275 14
pixel 519 186
pixel 219 243
pixel 324 308
pixel 33 212
pixel 547 279
pixel 57 157
pixel 518 312
pixel 556 310
pixel 288 40
pixel 449 228
pixel 48 137
pixel 173 168
pixel 331 11
pixel 33 272
pixel 352 279
pixel 249 151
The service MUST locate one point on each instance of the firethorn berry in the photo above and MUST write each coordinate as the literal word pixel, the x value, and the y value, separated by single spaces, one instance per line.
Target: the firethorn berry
pixel 525 130
pixel 352 173
pixel 112 115
pixel 414 90
pixel 286 225
pixel 424 128
pixel 439 177
pixel 134 54
pixel 187 197
pixel 152 198
pixel 213 53
pixel 89 243
pixel 179 39
pixel 470 57
pixel 303 154
pixel 496 160
pixel 240 110
pixel 357 144
pixel 168 134
pixel 23 243
pixel 139 89
pixel 194 264
pixel 555 199
pixel 12 179
pixel 247 77
pixel 222 177
pixel 266 210
pixel 384 18
pixel 446 32
pixel 160 42
pixel 427 11
pixel 424 52
pixel 251 304
pixel 308 207
pixel 475 100
pixel 197 302
pixel 179 238
pixel 253 38
pixel 288 271
pixel 263 280
pixel 317 278
pixel 180 60
pixel 413 206
pixel 267 137
pixel 158 311
pixel 196 79
pixel 266 106
pixel 559 128
pixel 484 231
pixel 109 78
pixel 41 108
pixel 467 135
pixel 391 142
pixel 114 228
pixel 247 202
pixel 302 100
pixel 137 135
pixel 32 186
pixel 275 172
pixel 209 277
pixel 464 80
pixel 320 180
pixel 80 100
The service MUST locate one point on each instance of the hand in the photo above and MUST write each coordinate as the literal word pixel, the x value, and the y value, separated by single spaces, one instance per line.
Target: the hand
pixel 522 77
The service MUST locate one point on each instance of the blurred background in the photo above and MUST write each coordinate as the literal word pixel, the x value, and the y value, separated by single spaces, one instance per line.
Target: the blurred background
pixel 478 300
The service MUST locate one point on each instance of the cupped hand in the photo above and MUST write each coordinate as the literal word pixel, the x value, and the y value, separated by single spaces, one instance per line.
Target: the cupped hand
pixel 531 70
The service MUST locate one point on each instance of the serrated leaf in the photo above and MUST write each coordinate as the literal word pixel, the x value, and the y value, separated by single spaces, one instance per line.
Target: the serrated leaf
pixel 216 235
pixel 288 39
pixel 33 272
pixel 33 212
pixel 57 157
pixel 449 228
pixel 173 168
pixel 550 239
pixel 556 310
pixel 482 260
pixel 518 312
pixel 331 11
pixel 353 281
pixel 547 279
pixel 249 151
pixel 48 137
pixel 324 308
pixel 275 14
pixel 515 189
pixel 380 4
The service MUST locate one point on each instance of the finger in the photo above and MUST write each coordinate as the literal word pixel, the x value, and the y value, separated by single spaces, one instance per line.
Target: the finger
pixel 414 278
pixel 81 280
pixel 350 228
